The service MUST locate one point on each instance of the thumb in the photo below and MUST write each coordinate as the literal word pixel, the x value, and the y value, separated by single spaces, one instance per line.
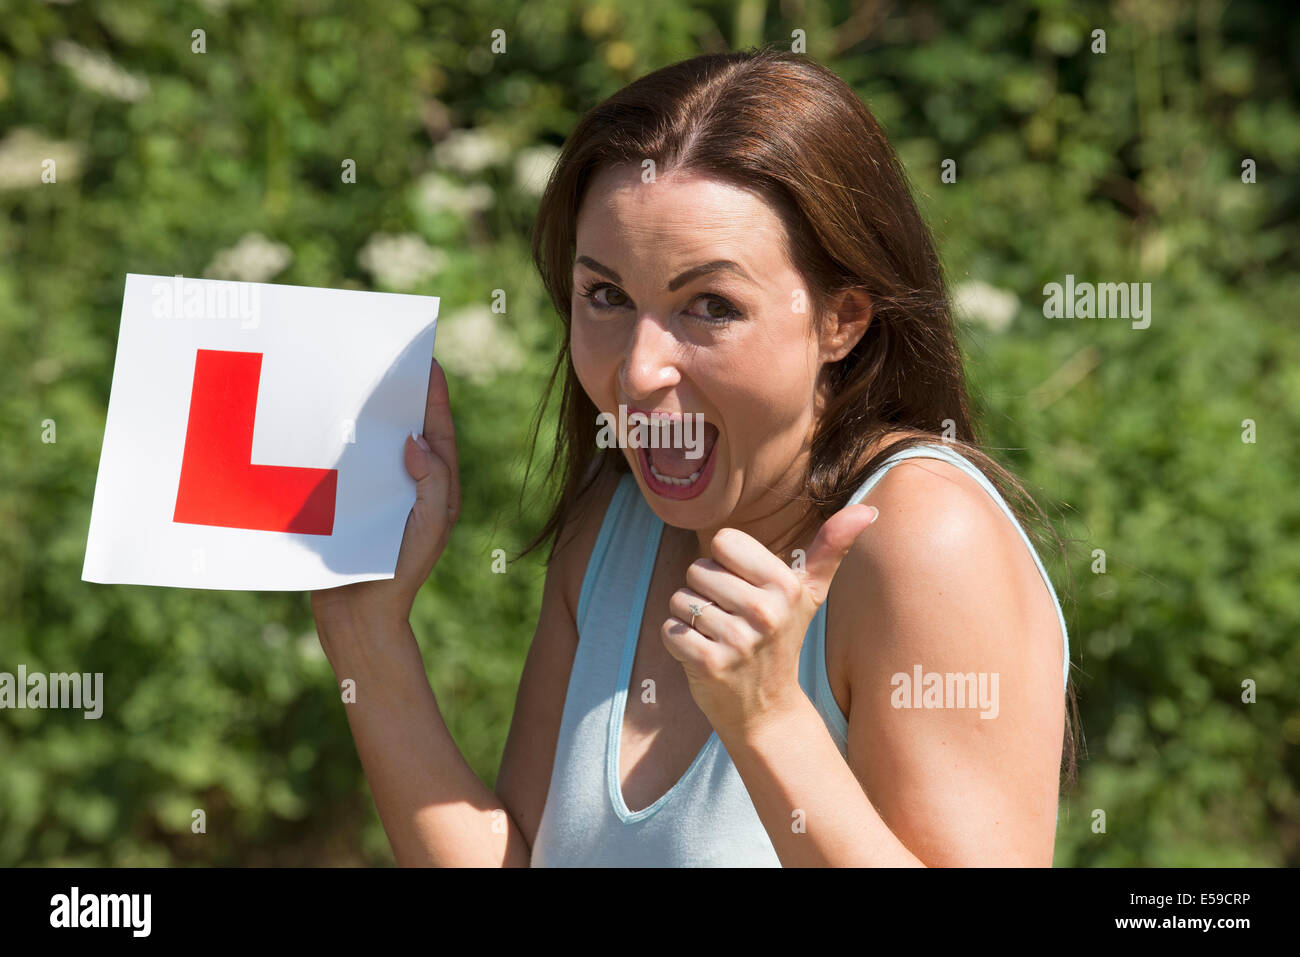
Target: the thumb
pixel 832 543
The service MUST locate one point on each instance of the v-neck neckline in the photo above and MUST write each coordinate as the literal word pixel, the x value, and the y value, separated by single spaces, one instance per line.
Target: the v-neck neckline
pixel 618 706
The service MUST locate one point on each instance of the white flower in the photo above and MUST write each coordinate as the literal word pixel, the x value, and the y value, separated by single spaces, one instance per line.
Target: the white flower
pixel 97 71
pixel 400 262
pixel 437 193
pixel 978 302
pixel 475 344
pixel 23 153
pixel 253 259
pixel 469 151
pixel 533 167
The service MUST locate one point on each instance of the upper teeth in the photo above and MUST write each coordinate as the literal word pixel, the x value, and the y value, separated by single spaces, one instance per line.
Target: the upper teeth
pixel 670 480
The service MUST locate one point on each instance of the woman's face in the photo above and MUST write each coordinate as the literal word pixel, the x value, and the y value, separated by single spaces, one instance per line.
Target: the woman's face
pixel 685 302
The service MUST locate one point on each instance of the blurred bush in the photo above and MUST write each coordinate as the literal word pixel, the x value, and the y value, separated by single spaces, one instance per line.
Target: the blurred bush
pixel 1117 166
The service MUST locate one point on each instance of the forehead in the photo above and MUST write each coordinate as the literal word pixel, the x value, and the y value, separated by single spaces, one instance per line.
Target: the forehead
pixel 680 213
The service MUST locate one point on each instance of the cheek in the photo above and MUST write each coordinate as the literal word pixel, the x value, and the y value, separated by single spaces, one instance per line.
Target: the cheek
pixel 766 410
pixel 770 380
pixel 592 366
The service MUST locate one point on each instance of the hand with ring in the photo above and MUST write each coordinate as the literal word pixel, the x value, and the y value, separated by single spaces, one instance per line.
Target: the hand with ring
pixel 696 610
pixel 742 658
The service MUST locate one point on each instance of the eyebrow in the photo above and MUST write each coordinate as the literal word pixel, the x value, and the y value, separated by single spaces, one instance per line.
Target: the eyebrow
pixel 694 272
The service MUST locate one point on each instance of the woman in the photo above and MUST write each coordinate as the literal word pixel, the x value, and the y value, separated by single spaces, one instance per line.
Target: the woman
pixel 730 667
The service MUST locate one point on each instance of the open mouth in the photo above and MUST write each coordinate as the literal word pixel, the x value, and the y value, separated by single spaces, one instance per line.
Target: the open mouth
pixel 670 473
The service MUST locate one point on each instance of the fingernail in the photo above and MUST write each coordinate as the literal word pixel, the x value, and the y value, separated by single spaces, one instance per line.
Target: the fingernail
pixel 419 440
pixel 875 514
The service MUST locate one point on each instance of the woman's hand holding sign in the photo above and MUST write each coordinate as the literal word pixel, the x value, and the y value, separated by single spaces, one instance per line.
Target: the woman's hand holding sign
pixel 433 806
pixel 431 460
pixel 739 623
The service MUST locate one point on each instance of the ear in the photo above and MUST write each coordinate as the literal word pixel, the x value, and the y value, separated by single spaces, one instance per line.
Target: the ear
pixel 850 314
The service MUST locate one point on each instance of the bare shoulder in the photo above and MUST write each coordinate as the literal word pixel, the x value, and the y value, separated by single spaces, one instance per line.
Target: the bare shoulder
pixel 943 584
pixel 935 519
pixel 943 551
pixel 941 555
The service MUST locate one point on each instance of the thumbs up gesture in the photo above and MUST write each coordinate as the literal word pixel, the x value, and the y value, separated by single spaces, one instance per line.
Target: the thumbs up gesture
pixel 738 625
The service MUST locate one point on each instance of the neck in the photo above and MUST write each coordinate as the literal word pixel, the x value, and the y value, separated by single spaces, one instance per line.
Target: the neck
pixel 773 520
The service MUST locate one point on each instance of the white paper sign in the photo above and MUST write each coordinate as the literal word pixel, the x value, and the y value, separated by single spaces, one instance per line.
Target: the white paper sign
pixel 254 435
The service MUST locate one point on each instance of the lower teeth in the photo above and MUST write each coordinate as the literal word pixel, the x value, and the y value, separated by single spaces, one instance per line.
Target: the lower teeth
pixel 670 480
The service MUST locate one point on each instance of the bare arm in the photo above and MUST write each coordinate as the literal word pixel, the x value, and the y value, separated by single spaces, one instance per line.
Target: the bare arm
pixel 943 586
pixel 434 808
pixel 948 585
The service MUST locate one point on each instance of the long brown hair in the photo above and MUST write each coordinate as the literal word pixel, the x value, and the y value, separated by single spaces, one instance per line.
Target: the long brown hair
pixel 786 127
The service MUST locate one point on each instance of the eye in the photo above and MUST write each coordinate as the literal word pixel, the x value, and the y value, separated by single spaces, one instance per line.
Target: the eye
pixel 718 311
pixel 590 290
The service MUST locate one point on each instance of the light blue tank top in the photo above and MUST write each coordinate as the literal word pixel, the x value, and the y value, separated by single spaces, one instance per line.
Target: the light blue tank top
pixel 707 818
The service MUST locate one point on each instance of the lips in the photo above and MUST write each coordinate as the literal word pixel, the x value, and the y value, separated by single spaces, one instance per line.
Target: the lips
pixel 679 487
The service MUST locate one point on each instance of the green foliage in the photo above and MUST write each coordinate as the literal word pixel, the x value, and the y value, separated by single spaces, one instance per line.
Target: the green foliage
pixel 1122 166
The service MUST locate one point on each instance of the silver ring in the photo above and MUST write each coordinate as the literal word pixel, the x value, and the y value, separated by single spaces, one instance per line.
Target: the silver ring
pixel 696 610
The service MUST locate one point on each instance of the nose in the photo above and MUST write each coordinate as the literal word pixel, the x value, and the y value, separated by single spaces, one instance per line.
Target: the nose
pixel 650 365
